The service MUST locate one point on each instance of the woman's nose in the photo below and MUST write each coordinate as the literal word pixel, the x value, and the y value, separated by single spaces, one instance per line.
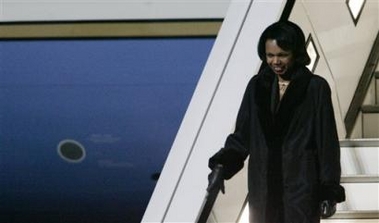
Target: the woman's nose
pixel 276 60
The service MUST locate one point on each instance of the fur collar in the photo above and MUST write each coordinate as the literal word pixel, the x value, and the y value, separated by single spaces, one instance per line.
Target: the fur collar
pixel 276 117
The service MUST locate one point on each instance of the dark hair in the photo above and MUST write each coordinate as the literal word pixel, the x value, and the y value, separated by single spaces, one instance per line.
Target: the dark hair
pixel 289 37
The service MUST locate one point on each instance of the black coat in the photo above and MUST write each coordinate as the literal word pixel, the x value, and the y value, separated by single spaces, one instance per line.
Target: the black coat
pixel 293 148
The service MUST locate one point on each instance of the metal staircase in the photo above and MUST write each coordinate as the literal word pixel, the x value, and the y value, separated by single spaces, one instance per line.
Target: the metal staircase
pixel 360 177
pixel 359 162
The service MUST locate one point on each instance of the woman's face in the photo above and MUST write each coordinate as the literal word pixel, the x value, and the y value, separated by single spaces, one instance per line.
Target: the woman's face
pixel 279 60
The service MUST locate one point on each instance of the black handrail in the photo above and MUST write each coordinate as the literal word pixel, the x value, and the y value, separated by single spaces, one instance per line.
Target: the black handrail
pixel 216 183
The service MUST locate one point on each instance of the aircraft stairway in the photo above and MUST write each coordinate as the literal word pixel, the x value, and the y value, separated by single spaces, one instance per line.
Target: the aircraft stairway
pixel 359 161
pixel 360 177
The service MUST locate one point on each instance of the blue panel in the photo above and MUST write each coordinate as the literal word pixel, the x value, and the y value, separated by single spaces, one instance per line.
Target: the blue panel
pixel 122 100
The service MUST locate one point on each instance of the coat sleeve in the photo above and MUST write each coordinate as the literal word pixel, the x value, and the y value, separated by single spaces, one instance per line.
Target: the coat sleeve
pixel 328 147
pixel 235 150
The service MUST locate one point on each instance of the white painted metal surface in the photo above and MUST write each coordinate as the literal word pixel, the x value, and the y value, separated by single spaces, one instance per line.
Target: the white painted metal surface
pixel 66 10
pixel 166 187
pixel 344 45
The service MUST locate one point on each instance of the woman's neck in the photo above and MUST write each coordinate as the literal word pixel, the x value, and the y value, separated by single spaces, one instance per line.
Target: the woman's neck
pixel 284 78
pixel 287 76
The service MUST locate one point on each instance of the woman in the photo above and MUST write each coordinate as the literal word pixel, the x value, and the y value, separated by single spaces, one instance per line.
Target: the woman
pixel 287 128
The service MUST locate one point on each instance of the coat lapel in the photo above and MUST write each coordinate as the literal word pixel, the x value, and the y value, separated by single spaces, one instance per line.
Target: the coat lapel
pixel 263 99
pixel 276 117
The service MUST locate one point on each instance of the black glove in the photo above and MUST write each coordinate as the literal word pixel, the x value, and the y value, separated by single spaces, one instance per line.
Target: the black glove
pixel 328 208
pixel 231 160
pixel 216 179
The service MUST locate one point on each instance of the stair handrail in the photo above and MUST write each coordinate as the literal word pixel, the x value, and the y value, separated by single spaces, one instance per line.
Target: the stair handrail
pixel 362 88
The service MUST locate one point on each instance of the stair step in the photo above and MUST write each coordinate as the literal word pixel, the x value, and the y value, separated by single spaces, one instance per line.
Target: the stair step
pixel 356 215
pixel 360 179
pixel 350 221
pixel 360 173
pixel 374 142
pixel 359 157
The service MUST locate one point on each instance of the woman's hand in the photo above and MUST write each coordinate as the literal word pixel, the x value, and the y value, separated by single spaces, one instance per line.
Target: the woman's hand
pixel 328 208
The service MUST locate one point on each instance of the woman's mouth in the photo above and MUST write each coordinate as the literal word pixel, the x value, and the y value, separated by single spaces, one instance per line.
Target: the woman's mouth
pixel 279 70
